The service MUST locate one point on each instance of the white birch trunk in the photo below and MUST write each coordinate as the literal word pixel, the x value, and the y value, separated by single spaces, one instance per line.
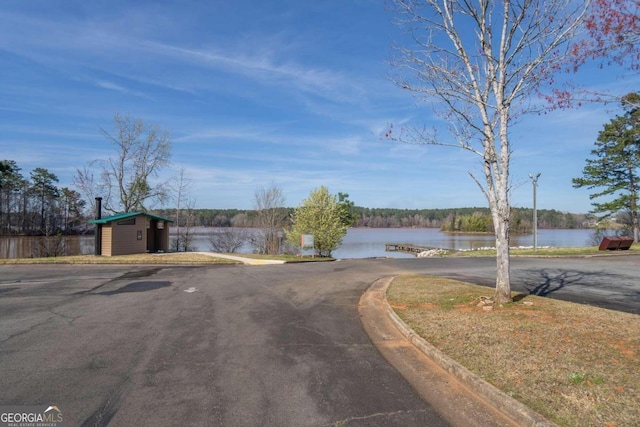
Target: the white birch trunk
pixel 481 60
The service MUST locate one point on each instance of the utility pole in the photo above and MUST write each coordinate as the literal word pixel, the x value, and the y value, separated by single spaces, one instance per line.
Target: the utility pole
pixel 534 180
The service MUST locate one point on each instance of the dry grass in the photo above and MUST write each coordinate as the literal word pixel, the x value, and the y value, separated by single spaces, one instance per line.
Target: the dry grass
pixel 171 258
pixel 573 251
pixel 575 364
pixel 166 258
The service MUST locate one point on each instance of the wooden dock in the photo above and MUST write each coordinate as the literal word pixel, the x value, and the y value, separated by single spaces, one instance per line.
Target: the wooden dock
pixel 409 248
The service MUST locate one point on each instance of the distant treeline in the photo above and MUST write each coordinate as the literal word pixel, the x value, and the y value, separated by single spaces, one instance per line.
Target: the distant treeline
pixel 458 219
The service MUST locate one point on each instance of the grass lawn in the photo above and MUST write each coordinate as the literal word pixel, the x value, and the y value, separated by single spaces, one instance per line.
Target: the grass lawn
pixel 575 364
pixel 170 258
pixel 166 258
pixel 577 251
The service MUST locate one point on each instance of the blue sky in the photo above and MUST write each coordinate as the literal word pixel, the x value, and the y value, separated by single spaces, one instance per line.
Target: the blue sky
pixel 257 92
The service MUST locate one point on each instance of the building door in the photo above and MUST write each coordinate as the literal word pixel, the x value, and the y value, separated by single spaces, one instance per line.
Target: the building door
pixel 151 236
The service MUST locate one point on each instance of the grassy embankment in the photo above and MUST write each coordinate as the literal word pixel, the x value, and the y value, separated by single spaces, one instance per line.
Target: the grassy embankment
pixel 577 251
pixel 186 258
pixel 196 258
pixel 575 364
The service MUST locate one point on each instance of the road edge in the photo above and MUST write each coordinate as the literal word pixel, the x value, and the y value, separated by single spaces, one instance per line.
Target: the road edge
pixel 498 400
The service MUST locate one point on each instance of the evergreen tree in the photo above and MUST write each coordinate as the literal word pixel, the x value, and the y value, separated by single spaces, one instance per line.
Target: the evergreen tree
pixel 43 184
pixel 614 169
pixel 10 182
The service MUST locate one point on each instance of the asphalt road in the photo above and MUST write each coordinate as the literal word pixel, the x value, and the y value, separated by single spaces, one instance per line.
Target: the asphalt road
pixel 237 345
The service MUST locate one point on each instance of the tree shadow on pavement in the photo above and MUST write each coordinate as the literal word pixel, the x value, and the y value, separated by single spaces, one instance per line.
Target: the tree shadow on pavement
pixel 603 289
pixel 545 282
pixel 553 282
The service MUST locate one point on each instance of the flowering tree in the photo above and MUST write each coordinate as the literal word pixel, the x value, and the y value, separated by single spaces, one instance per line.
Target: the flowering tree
pixel 612 37
pixel 481 61
pixel 323 215
pixel 614 31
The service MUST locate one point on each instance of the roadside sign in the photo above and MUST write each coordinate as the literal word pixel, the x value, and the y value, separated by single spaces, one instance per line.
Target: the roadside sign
pixel 306 241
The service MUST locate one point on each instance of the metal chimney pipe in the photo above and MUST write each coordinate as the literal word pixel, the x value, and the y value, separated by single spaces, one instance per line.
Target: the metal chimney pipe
pixel 98 208
pixel 98 231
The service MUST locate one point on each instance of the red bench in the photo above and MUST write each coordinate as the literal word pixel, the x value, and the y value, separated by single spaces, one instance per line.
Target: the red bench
pixel 615 243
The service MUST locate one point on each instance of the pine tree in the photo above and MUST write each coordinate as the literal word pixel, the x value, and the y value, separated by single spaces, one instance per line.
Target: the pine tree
pixel 614 169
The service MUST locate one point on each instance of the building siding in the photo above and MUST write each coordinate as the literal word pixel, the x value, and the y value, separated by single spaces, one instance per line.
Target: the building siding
pixel 124 239
pixel 106 240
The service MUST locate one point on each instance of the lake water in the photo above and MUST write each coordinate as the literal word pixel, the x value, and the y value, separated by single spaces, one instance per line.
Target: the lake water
pixel 364 243
pixel 28 247
pixel 370 242
pixel 358 243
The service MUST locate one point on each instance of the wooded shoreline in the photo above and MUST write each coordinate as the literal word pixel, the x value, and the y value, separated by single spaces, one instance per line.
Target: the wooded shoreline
pixel 452 220
pixel 399 218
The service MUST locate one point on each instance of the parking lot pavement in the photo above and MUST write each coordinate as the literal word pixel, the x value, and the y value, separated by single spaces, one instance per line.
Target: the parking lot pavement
pixel 237 345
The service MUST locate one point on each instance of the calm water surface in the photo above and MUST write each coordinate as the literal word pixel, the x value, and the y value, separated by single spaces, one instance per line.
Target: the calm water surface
pixel 34 247
pixel 358 243
pixel 370 242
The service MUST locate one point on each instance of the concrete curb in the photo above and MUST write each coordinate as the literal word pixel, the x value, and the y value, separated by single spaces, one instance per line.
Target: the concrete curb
pixel 248 261
pixel 515 410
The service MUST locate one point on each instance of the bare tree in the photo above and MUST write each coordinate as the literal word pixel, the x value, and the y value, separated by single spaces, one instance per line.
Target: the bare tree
pixel 50 245
pixel 228 240
pixel 181 186
pixel 125 180
pixel 481 61
pixel 185 233
pixel 271 217
pixel 71 206
pixel 85 181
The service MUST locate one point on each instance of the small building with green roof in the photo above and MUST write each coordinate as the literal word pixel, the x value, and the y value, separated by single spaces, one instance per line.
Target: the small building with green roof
pixel 131 233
